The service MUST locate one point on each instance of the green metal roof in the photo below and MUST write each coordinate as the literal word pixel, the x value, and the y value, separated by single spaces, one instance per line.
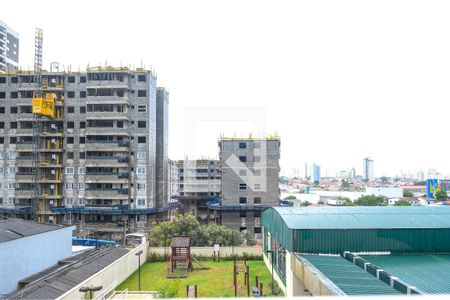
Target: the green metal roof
pixel 365 217
pixel 428 273
pixel 359 229
pixel 351 279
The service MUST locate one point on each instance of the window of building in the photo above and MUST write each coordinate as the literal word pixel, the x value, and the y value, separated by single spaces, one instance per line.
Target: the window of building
pixel 242 186
pixel 119 124
pixel 142 108
pixel 12 140
pixel 70 125
pixel 242 200
pixel 11 170
pixel 257 145
pixel 70 109
pixel 242 172
pixel 82 109
pixel 140 155
pixel 71 94
pixel 14 95
pixel 81 186
pixel 69 155
pixel 142 93
pixel 142 78
pixel 69 170
pixel 69 186
pixel 82 124
pixel 257 172
pixel 82 140
pixel 257 186
pixel 141 201
pixel 81 170
pixel 141 140
pixel 14 80
pixel 82 94
pixel 242 229
pixel 2 79
pixel 141 186
pixel 70 140
pixel 2 95
pixel 257 214
pixel 14 109
pixel 2 140
pixel 2 125
pixel 140 170
pixel 12 155
pixel 82 155
pixel 243 158
pixel 257 200
pixel 257 229
pixel 13 125
pixel 83 79
pixel 142 124
pixel 2 110
pixel 71 79
pixel 242 145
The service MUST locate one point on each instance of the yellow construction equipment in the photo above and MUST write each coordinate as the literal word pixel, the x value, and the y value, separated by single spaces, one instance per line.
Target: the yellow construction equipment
pixel 44 106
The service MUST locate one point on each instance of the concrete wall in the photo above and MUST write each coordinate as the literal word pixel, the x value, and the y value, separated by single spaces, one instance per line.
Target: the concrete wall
pixel 209 251
pixel 113 275
pixel 23 257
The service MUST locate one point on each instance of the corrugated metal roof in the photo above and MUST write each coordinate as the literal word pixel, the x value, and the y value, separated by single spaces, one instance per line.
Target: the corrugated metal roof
pixel 429 273
pixel 68 277
pixel 351 279
pixel 381 217
pixel 12 229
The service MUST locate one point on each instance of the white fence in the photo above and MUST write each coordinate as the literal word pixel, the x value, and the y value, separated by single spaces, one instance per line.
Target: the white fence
pixel 209 251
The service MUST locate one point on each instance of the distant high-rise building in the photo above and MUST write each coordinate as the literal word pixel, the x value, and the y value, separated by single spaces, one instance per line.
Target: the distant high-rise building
pixel 420 176
pixel 306 170
pixel 353 173
pixel 315 173
pixel 9 49
pixel 368 172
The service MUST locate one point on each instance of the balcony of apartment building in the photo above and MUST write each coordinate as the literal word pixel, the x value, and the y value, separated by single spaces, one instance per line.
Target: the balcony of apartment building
pixel 107 127
pixel 50 191
pixel 51 130
pixel 107 111
pixel 107 175
pixel 102 95
pixel 24 128
pixel 113 79
pixel 107 143
pixel 23 143
pixel 102 192
pixel 24 175
pixel 106 159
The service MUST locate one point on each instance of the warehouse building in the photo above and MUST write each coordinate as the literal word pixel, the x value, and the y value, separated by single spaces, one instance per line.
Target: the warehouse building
pixel 358 250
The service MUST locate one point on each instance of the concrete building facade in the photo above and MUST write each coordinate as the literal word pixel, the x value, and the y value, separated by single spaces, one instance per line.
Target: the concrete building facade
pixel 174 179
pixel 9 49
pixel 250 176
pixel 162 146
pixel 97 161
pixel 368 169
pixel 199 182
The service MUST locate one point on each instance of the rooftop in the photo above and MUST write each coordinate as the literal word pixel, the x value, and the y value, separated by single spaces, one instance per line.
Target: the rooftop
pixel 381 217
pixel 428 273
pixel 347 278
pixel 53 284
pixel 11 229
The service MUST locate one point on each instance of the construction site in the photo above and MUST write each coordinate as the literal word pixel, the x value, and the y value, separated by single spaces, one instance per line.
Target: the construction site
pixel 80 148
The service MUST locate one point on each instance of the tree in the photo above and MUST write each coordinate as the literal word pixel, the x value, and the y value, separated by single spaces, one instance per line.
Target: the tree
pixel 160 234
pixel 305 203
pixel 384 179
pixel 320 202
pixel 290 197
pixel 347 201
pixel 441 195
pixel 345 184
pixel 371 200
pixel 402 202
pixel 407 193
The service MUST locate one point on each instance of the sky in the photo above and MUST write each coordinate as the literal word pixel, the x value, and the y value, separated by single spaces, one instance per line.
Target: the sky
pixel 336 80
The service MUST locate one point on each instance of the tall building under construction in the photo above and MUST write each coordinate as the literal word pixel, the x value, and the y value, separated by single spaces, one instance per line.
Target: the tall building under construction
pixel 99 162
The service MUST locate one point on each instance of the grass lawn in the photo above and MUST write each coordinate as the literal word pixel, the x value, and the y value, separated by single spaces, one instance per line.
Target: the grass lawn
pixel 215 282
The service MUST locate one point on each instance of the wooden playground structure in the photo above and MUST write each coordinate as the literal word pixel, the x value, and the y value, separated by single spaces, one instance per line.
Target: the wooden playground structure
pixel 181 259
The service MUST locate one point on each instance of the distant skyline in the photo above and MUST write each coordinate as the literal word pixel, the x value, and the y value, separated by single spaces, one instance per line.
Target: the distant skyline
pixel 337 80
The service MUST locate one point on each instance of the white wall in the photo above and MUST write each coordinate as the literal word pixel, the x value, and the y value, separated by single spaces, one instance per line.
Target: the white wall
pixel 209 251
pixel 113 275
pixel 23 257
pixel 388 192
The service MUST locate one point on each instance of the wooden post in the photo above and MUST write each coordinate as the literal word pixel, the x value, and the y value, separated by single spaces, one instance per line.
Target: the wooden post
pixel 234 280
pixel 195 291
pixel 187 291
pixel 261 290
pixel 247 278
pixel 257 281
